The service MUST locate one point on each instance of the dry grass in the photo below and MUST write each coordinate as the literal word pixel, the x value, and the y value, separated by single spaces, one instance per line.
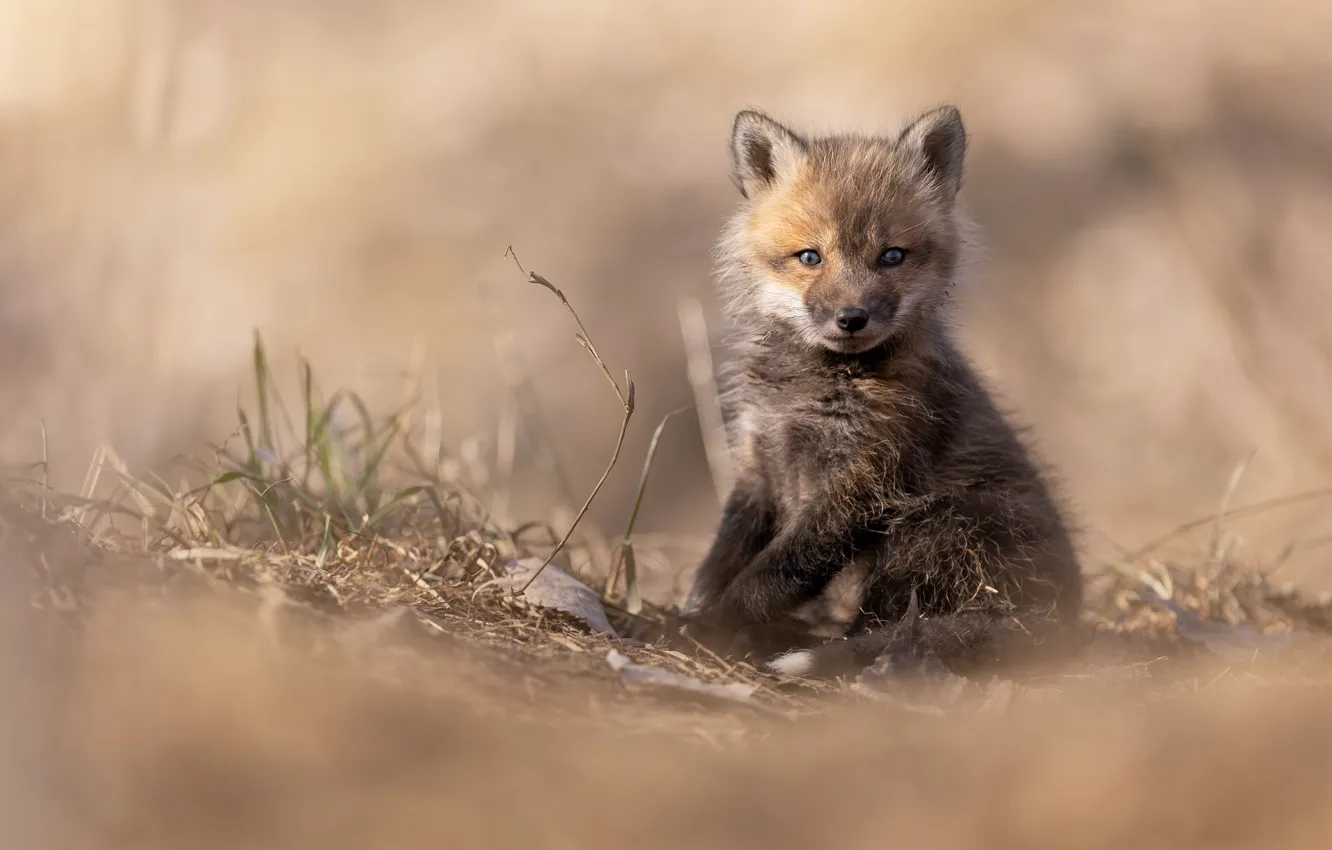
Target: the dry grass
pixel 331 509
pixel 311 642
pixel 197 703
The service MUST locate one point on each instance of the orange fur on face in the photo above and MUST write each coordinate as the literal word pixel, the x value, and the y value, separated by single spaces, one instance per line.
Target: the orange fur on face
pixel 849 200
pixel 790 219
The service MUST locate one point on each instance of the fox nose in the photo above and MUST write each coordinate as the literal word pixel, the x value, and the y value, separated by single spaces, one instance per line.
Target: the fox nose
pixel 852 319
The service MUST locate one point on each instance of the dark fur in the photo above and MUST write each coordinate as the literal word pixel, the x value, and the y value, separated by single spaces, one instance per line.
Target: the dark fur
pixel 894 457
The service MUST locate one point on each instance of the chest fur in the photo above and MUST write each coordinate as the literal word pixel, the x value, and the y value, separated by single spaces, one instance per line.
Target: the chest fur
pixel 816 441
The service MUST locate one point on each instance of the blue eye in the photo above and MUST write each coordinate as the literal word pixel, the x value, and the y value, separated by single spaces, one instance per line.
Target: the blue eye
pixel 809 257
pixel 892 257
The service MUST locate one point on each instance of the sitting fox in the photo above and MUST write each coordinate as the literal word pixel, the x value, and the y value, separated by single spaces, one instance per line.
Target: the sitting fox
pixel 871 462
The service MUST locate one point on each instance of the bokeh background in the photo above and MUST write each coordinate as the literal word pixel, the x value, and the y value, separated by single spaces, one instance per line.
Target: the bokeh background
pixel 1153 180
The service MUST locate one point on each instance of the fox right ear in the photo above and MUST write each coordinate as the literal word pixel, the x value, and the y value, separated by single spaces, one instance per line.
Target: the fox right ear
pixel 762 151
pixel 940 140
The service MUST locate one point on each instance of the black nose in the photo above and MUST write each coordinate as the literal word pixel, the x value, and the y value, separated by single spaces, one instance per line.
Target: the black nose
pixel 852 319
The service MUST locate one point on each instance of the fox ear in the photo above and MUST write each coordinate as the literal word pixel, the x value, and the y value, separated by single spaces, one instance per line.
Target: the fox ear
pixel 762 151
pixel 940 140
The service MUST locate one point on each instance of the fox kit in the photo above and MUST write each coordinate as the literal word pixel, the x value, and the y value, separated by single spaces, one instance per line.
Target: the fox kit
pixel 871 462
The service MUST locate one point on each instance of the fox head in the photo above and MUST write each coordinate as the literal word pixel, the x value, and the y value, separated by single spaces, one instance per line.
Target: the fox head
pixel 848 240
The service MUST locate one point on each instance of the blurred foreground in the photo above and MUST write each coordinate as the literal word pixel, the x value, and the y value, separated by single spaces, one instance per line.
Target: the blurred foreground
pixel 169 708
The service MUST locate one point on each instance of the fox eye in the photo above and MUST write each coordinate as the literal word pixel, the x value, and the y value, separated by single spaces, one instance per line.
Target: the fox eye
pixel 809 257
pixel 892 257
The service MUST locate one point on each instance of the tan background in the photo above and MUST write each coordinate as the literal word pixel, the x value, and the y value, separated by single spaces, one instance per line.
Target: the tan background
pixel 1153 179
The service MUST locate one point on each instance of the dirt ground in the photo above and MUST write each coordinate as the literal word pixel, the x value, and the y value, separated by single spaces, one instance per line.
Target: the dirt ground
pixel 166 701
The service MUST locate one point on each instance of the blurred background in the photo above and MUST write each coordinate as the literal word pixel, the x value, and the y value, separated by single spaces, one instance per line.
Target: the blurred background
pixel 1152 178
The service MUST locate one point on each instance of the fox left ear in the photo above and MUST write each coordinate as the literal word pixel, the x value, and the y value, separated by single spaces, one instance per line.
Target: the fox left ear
pixel 941 141
pixel 762 151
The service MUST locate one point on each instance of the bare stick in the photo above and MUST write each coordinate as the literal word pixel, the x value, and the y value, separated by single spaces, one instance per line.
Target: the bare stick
pixel 523 390
pixel 634 602
pixel 46 468
pixel 506 450
pixel 1256 508
pixel 582 337
pixel 647 468
pixel 626 397
pixel 698 359
pixel 1231 487
pixel 1298 546
pixel 615 456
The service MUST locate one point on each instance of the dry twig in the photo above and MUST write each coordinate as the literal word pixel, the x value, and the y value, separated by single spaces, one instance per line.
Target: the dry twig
pixel 626 397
